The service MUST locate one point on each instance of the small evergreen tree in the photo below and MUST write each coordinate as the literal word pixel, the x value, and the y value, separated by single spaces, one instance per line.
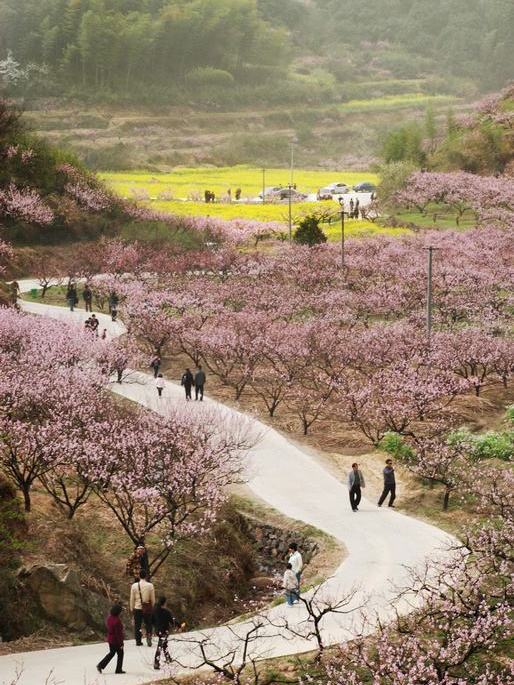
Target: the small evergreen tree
pixel 309 231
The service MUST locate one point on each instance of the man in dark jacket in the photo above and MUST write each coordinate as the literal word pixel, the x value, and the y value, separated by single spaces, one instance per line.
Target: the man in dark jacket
pixel 199 382
pixel 389 484
pixel 164 622
pixel 355 483
pixel 87 294
pixel 187 382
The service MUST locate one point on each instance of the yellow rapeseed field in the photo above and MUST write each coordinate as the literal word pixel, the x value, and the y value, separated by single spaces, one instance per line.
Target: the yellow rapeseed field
pixel 183 182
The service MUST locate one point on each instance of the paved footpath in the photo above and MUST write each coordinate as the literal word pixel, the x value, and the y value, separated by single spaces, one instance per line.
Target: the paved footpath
pixel 381 543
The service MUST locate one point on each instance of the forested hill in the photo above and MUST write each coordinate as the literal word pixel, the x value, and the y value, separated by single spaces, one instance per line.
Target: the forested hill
pixel 232 51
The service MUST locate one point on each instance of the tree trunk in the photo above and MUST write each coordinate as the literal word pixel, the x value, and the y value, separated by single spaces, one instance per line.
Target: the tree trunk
pixel 446 500
pixel 26 497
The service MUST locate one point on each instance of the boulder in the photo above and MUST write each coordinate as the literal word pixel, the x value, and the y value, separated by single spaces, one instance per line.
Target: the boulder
pixel 57 591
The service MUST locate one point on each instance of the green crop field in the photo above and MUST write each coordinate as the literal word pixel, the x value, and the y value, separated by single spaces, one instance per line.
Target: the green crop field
pixel 184 182
pixel 393 102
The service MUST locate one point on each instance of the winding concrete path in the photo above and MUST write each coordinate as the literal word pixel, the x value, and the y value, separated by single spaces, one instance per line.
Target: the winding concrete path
pixel 382 545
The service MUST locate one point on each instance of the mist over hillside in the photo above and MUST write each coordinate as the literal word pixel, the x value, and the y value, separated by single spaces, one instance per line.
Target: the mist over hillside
pixel 227 53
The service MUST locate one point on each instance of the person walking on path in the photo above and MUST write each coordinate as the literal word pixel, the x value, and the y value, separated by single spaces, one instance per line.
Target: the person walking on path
pixel 71 297
pixel 14 290
pixel 155 364
pixel 142 602
pixel 355 483
pixel 159 384
pixel 163 622
pixel 187 382
pixel 113 302
pixel 290 585
pixel 115 637
pixel 94 323
pixel 199 382
pixel 87 294
pixel 296 561
pixel 389 484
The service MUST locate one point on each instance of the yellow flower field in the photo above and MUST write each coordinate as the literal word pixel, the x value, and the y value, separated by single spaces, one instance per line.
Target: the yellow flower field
pixel 182 181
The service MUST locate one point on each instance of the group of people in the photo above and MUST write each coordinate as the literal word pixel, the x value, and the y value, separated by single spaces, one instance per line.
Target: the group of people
pixel 154 615
pixel 356 483
pixel 209 196
pixel 146 611
pixel 188 380
pixel 91 324
pixel 87 294
pixel 354 208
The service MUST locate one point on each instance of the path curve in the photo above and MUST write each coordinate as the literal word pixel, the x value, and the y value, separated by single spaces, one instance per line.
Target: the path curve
pixel 382 545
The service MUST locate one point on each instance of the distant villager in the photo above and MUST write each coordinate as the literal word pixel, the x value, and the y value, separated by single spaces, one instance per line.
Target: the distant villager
pixel 87 294
pixel 71 297
pixel 199 382
pixel 187 382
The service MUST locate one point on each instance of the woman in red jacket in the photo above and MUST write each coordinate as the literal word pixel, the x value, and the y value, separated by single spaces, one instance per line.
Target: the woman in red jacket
pixel 115 639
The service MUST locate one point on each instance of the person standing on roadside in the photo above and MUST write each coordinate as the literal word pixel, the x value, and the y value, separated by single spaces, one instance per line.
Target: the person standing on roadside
pixel 155 364
pixel 115 637
pixel 137 562
pixel 87 294
pixel 187 382
pixel 290 585
pixel 113 301
pixel 389 484
pixel 71 297
pixel 199 382
pixel 355 483
pixel 142 602
pixel 296 561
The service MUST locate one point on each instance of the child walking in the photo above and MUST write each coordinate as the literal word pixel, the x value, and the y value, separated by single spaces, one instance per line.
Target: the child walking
pixel 290 585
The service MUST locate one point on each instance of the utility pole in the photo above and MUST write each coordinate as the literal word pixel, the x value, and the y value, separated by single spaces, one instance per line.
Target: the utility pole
pixel 263 186
pixel 291 178
pixel 429 290
pixel 290 186
pixel 342 235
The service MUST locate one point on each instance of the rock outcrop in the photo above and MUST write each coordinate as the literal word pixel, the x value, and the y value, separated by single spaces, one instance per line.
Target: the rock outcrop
pixel 58 594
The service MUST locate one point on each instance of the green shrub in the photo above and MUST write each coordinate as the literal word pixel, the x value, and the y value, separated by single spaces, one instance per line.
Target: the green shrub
pixel 509 414
pixel 309 232
pixel 395 445
pixel 208 76
pixel 490 445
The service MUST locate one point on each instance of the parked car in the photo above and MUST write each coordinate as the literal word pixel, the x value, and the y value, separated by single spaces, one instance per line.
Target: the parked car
pixel 365 187
pixel 328 192
pixel 283 194
pixel 270 191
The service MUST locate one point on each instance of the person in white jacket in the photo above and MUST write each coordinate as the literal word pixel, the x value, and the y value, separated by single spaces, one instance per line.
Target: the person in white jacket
pixel 290 585
pixel 296 561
